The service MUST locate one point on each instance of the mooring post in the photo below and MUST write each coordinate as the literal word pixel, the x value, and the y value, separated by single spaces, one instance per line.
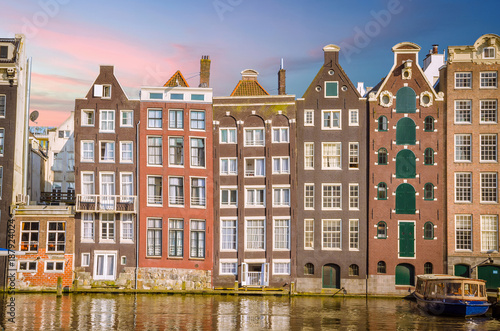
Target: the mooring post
pixel 59 286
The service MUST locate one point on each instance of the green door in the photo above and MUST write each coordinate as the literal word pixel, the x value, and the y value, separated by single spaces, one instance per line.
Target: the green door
pixel 491 274
pixel 405 199
pixel 406 132
pixel 406 164
pixel 331 276
pixel 406 239
pixel 405 274
pixel 406 100
pixel 462 270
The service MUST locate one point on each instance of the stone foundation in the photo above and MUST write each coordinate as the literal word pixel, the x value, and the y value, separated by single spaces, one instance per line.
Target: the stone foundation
pixel 125 280
pixel 173 279
pixel 314 285
pixel 385 285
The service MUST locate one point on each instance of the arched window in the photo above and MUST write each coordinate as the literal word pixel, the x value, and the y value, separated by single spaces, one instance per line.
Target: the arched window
pixel 381 268
pixel 428 268
pixel 406 100
pixel 382 123
pixel 309 269
pixel 428 230
pixel 429 124
pixel 382 191
pixel 429 156
pixel 382 156
pixel 381 230
pixel 406 132
pixel 353 270
pixel 405 199
pixel 429 191
pixel 406 164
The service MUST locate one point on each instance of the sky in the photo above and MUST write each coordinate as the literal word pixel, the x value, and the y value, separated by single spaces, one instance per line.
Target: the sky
pixel 148 40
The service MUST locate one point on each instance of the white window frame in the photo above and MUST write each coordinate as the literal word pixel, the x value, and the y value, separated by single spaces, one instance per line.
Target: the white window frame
pixel 131 143
pixel 127 125
pixel 228 261
pixel 27 266
pixel 282 189
pixel 205 159
pixel 229 189
pixel 83 159
pixel 306 207
pixel 354 199
pixel 155 197
pixel 254 142
pixel 83 173
pixel 482 107
pixel 323 185
pixel 127 221
pixel 354 236
pixel 483 147
pixel 492 188
pixel 494 76
pixel 171 164
pixel 469 73
pixel 105 255
pixel 204 119
pixel 280 160
pixel 323 247
pixel 248 173
pixel 463 187
pixel 234 235
pixel 337 146
pixel 351 113
pixel 484 55
pixel 310 232
pixel 491 232
pixel 255 188
pixel 84 221
pixel 122 193
pixel 229 172
pixel 331 126
pixel 287 239
pixel 202 203
pixel 311 113
pixel 455 146
pixel 277 262
pixel 281 130
pixel 228 136
pixel 160 138
pixel 155 119
pixel 85 256
pixel 307 156
pixel 258 218
pixel 113 121
pixel 101 222
pixel 101 160
pixel 469 230
pixel 55 263
pixel 183 198
pixel 458 104
pixel 84 116
pixel 353 155
pixel 331 96
pixel 57 241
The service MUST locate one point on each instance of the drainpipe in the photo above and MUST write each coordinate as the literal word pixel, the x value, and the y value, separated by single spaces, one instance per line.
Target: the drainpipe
pixel 26 127
pixel 137 204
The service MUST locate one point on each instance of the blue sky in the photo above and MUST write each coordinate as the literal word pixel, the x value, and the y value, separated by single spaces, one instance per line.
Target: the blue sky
pixel 148 41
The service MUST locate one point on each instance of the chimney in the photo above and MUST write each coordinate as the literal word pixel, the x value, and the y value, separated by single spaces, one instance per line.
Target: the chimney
pixel 331 54
pixel 205 71
pixel 435 49
pixel 282 80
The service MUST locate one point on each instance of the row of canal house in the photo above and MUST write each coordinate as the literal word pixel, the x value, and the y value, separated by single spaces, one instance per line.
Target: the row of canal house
pixel 341 188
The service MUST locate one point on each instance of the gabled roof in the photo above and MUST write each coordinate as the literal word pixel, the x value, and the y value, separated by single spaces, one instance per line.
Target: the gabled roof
pixel 248 88
pixel 176 80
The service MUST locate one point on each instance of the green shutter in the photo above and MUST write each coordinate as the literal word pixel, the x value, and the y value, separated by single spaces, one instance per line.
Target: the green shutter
pixel 462 270
pixel 405 164
pixel 405 132
pixel 491 274
pixel 406 100
pixel 405 199
pixel 331 89
pixel 407 239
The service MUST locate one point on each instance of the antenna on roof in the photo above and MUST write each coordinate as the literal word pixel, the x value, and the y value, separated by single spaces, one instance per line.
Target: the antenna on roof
pixel 281 65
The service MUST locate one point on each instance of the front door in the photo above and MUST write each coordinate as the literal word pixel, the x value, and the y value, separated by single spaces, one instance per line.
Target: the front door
pixel 331 276
pixel 405 274
pixel 406 239
pixel 491 274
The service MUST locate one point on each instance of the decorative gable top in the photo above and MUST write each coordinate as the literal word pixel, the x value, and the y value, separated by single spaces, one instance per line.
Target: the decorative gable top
pixel 406 47
pixel 176 80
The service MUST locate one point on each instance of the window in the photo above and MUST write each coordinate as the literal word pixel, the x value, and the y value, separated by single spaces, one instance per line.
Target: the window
pixel 228 166
pixel 309 269
pixel 353 155
pixel 281 267
pixel 228 268
pixel 382 156
pixel 463 111
pixel 155 151
pixel 332 196
pixel 488 148
pixel 177 96
pixel 428 191
pixel 353 117
pixel 85 259
pixel 106 91
pixel 255 234
pixel 383 124
pixel 71 161
pixel 332 234
pixel 463 80
pixel 29 236
pixel 254 137
pixel 428 230
pixel 175 237
pixel 156 96
pixel 429 124
pixel 331 89
pixel 489 233
pixel 229 239
pixel 127 228
pixel 175 119
pixel 463 187
pixel 228 136
pixel 489 53
pixel 463 232
pixel 176 151
pixel 382 191
pixel 406 100
pixel 54 266
pixel 4 52
pixel 281 165
pixel 126 155
pixel 27 266
pixel 381 268
pixel 282 234
pixel 197 239
pixel 87 150
pixel 488 111
pixel 281 197
pixel 463 147
pixel 255 197
pixel 309 196
pixel 381 230
pixel 353 234
pixel 254 167
pixel 198 194
pixel 127 118
pixel 155 191
pixel 489 79
pixel 309 117
pixel 428 268
pixel 1 181
pixel 107 151
pixel 280 135
pixel 228 197
pixel 56 236
pixel 353 270
pixel 87 183
pixel 58 161
pixel 331 119
pixel 489 187
pixel 2 141
pixel 309 234
pixel 107 227
pixel 197 120
pixel 353 196
pixel 176 191
pixel 104 265
pixel 197 97
pixel 87 116
pixel 308 155
pixel 154 118
pixel 107 121
pixel 332 156
pixel 127 187
pixel 197 152
pixel 429 156
pixel 405 132
pixel 87 227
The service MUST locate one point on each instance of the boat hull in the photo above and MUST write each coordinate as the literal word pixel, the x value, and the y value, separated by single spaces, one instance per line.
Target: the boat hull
pixel 454 307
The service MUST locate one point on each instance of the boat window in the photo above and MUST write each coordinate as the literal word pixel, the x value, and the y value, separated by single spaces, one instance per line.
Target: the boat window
pixel 471 290
pixel 482 290
pixel 454 289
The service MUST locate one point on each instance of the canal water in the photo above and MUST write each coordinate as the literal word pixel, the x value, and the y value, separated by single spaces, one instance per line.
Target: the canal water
pixel 198 312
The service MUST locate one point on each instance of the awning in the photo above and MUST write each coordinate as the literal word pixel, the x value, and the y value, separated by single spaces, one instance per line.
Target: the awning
pixel 6 252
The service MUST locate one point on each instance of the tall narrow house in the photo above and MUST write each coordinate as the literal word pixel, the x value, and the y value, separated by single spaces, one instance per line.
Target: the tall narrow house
pixel 254 163
pixel 331 182
pixel 407 182
pixel 470 81
pixel 106 183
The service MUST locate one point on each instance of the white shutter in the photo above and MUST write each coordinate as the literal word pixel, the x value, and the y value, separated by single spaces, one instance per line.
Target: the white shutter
pixel 244 270
pixel 265 274
pixel 98 90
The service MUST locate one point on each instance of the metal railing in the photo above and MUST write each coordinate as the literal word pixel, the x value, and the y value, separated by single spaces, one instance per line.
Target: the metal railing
pixel 56 197
pixel 106 203
pixel 175 200
pixel 197 201
pixel 254 278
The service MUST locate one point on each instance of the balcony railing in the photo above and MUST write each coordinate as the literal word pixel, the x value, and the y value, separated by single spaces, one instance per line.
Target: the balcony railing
pixel 56 197
pixel 254 278
pixel 196 201
pixel 254 142
pixel 176 200
pixel 106 203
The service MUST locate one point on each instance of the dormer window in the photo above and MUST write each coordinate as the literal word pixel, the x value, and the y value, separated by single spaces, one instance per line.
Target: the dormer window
pixel 102 90
pixel 488 53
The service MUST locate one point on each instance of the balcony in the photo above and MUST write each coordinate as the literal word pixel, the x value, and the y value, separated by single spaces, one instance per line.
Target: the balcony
pixel 254 278
pixel 198 201
pixel 106 203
